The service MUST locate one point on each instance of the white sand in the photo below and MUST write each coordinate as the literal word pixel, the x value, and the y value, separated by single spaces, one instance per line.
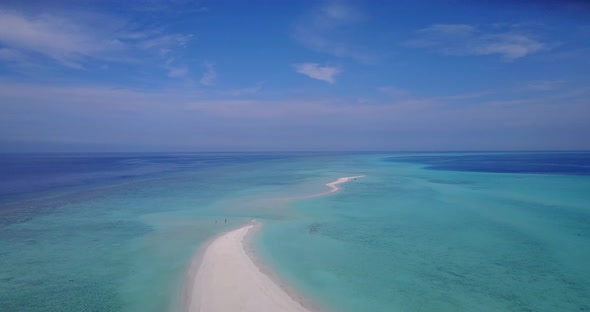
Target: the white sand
pixel 334 185
pixel 227 280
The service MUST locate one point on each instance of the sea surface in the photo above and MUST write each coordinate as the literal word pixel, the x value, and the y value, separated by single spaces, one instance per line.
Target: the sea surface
pixel 420 232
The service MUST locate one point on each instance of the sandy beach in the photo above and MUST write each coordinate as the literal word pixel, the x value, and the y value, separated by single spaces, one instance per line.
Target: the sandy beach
pixel 227 279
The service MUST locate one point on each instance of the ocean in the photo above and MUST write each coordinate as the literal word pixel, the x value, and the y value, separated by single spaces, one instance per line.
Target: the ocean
pixel 420 232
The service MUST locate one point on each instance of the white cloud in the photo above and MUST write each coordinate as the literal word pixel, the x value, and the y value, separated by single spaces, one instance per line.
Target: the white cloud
pixel 315 71
pixel 52 36
pixel 73 41
pixel 510 46
pixel 327 29
pixel 165 41
pixel 459 39
pixel 209 76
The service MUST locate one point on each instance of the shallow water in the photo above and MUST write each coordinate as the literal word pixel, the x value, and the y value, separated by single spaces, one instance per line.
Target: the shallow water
pixel 112 246
pixel 407 238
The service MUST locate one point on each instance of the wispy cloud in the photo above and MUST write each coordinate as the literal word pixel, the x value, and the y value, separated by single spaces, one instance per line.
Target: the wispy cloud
pixel 178 72
pixel 316 71
pixel 75 42
pixel 175 7
pixel 95 114
pixel 209 77
pixel 246 91
pixel 393 91
pixel 459 39
pixel 54 37
pixel 544 85
pixel 165 41
pixel 329 29
pixel 11 55
pixel 408 98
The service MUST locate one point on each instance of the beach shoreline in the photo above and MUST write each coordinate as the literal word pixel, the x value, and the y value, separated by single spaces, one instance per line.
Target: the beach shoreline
pixel 267 270
pixel 227 279
pixel 226 275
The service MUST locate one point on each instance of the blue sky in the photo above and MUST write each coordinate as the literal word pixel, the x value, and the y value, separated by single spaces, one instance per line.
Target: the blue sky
pixel 182 75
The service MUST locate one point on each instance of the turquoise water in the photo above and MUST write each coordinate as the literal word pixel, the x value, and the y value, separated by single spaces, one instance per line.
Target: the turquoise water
pixel 404 238
pixel 125 244
pixel 410 239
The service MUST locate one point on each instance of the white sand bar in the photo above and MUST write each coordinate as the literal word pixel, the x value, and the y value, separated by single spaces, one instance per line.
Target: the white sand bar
pixel 334 185
pixel 227 280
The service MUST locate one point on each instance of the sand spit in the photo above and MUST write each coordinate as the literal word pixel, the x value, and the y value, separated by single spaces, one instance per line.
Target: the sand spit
pixel 228 280
pixel 224 278
pixel 334 185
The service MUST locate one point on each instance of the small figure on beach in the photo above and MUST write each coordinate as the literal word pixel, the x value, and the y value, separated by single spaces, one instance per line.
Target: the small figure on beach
pixel 225 221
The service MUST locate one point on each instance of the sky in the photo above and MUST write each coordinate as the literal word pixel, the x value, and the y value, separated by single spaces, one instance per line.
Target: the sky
pixel 185 75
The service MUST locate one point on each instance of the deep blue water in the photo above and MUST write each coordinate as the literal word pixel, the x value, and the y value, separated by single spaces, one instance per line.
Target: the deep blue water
pixel 576 163
pixel 22 174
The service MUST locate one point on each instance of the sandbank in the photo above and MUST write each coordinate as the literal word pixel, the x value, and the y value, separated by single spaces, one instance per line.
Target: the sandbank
pixel 334 184
pixel 224 278
pixel 228 280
